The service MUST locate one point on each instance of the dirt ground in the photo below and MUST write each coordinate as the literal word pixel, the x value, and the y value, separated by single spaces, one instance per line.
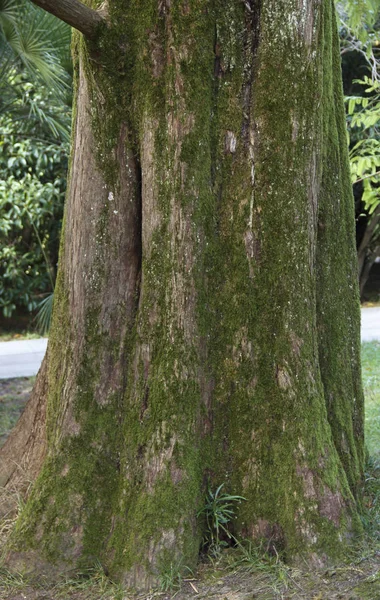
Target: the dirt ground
pixel 359 581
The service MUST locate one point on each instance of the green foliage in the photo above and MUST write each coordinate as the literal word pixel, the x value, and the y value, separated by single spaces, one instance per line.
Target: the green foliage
pixel 360 48
pixel 35 42
pixel 32 188
pixel 35 70
pixel 44 314
pixel 363 120
pixel 219 511
pixel 35 116
pixel 359 35
pixel 359 18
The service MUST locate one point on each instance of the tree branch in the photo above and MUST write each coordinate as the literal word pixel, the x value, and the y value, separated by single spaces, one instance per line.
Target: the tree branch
pixel 366 177
pixel 74 13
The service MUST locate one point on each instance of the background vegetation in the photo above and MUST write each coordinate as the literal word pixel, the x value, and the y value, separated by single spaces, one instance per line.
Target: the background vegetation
pixel 35 118
pixel 360 50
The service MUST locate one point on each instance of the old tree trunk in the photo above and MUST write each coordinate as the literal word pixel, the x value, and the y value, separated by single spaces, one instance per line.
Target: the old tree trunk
pixel 206 320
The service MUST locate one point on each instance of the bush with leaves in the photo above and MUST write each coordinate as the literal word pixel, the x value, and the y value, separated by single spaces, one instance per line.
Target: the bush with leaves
pixel 360 22
pixel 363 126
pixel 35 115
pixel 32 189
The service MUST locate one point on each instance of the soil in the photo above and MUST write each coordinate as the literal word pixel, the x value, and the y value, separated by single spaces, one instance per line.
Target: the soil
pixel 359 580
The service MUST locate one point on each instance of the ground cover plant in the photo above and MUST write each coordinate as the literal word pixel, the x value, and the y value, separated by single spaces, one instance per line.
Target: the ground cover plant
pixel 242 572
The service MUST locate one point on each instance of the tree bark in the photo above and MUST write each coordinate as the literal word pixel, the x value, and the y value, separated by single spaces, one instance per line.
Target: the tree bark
pixel 197 334
pixel 367 254
pixel 24 450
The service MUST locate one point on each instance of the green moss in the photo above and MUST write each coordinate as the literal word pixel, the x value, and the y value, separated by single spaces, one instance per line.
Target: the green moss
pixel 338 309
pixel 271 413
pixel 68 506
pixel 224 379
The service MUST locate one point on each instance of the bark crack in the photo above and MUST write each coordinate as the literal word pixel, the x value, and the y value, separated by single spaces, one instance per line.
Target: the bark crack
pixel 251 44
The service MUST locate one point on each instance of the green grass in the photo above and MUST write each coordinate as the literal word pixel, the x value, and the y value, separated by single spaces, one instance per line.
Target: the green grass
pixel 371 384
pixel 14 394
pixel 11 336
pixel 92 584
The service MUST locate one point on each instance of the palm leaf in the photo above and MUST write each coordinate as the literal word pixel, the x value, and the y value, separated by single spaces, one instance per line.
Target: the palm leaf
pixel 8 12
pixel 43 317
pixel 38 41
pixel 34 46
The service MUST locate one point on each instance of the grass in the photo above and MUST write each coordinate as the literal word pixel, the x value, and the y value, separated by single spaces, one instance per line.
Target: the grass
pixel 371 384
pixel 92 584
pixel 245 572
pixel 11 336
pixel 172 576
pixel 14 394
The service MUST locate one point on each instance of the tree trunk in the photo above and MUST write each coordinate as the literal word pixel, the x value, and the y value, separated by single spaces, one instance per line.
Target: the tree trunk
pixel 206 319
pixel 368 251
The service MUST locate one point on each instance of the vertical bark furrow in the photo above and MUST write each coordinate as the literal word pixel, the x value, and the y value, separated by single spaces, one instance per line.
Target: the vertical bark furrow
pixel 70 508
pixel 162 463
pixel 251 43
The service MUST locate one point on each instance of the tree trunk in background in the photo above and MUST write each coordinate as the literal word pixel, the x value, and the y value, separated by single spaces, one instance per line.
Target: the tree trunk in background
pixel 206 320
pixel 369 249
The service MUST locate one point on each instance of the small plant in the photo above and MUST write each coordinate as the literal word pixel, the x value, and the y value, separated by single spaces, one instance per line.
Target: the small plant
pixel 219 512
pixel 11 581
pixel 91 582
pixel 171 576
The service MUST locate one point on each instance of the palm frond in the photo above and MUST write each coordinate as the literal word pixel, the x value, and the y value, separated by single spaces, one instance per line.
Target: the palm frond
pixel 43 317
pixel 8 12
pixel 38 41
pixel 34 47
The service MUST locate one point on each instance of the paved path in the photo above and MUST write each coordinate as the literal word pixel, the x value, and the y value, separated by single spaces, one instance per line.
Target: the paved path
pixel 370 324
pixel 23 358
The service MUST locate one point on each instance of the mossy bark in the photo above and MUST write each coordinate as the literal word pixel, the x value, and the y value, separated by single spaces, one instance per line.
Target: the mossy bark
pixel 206 320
